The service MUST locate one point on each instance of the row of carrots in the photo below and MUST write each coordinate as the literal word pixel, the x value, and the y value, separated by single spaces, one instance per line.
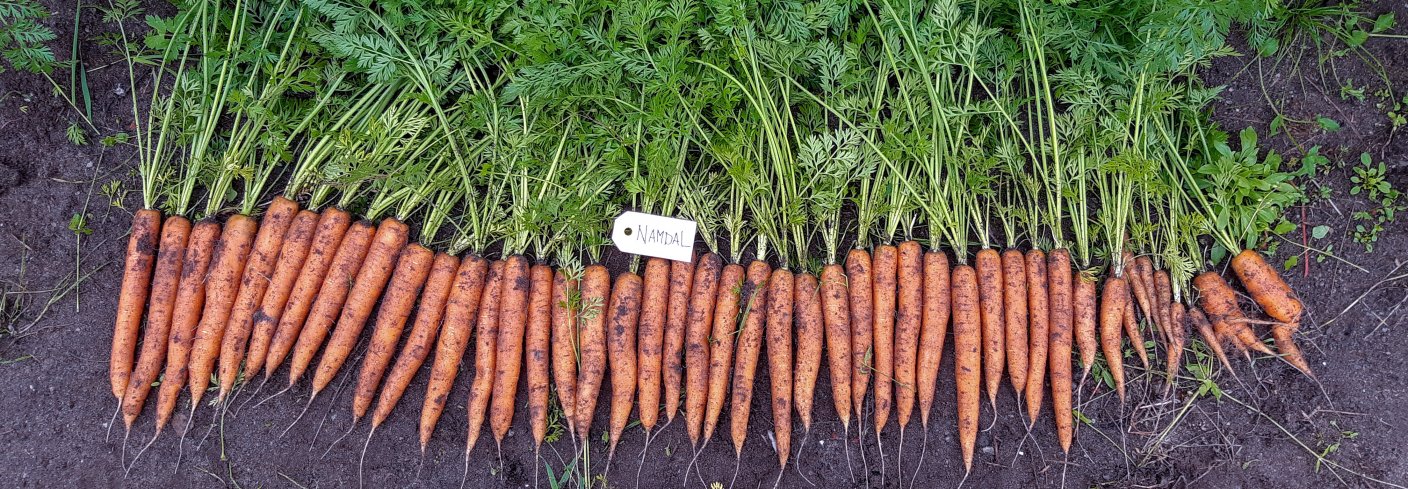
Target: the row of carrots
pixel 217 299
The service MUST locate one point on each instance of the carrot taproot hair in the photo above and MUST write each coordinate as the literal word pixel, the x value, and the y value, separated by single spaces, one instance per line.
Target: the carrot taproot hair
pixel 259 266
pixel 332 227
pixel 132 296
pixel 175 232
pixel 462 308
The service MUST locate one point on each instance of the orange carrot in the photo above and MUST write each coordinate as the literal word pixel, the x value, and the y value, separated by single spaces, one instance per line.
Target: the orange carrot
pixel 810 331
pixel 990 296
pixel 132 298
pixel 486 347
pixel 885 268
pixel 1038 304
pixel 538 343
pixel 1112 305
pixel 564 345
pixel 1083 310
pixel 1178 336
pixel 508 361
pixel 1220 302
pixel 462 307
pixel 732 289
pixel 337 282
pixel 292 254
pixel 837 315
pixel 696 354
pixel 174 234
pixel 596 287
pixel 1141 295
pixel 1268 289
pixel 1058 271
pixel 654 305
pixel 220 290
pixel 621 352
pixel 780 287
pixel 327 241
pixel 1210 336
pixel 258 267
pixel 862 324
pixel 745 366
pixel 676 316
pixel 190 299
pixel 424 329
pixel 1289 351
pixel 1014 284
pixel 412 270
pixel 391 237
pixel 908 319
pixel 937 296
pixel 967 355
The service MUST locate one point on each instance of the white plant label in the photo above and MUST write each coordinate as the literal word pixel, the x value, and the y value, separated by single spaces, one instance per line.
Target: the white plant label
pixel 651 235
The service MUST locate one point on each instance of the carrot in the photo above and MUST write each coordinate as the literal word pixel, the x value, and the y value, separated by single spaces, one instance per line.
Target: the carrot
pixel 1014 286
pixel 220 290
pixel 1178 337
pixel 486 337
pixel 621 352
pixel 1059 275
pixel 258 267
pixel 132 298
pixel 1112 304
pixel 885 268
pixel 651 341
pixel 1131 327
pixel 810 331
pixel 371 280
pixel 1084 313
pixel 1289 351
pixel 412 270
pixel 836 314
pixel 696 353
pixel 462 307
pixel 1142 295
pixel 331 296
pixel 1210 336
pixel 732 290
pixel 745 366
pixel 596 286
pixel 165 280
pixel 538 343
pixel 564 345
pixel 908 319
pixel 990 296
pixel 508 361
pixel 862 311
pixel 426 326
pixel 190 299
pixel 1268 289
pixel 779 343
pixel 1220 302
pixel 292 254
pixel 676 316
pixel 1038 306
pixel 332 227
pixel 937 297
pixel 967 356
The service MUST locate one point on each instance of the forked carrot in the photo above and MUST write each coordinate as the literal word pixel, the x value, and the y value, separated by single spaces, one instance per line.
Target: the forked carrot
pixel 1112 305
pixel 1220 303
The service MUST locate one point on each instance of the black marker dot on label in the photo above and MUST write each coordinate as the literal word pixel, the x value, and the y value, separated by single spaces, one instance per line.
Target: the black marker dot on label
pixel 627 232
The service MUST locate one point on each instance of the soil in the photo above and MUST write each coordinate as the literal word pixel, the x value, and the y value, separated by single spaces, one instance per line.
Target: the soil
pixel 1261 432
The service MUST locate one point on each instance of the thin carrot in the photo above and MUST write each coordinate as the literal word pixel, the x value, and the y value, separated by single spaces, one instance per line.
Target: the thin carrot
pixel 733 288
pixel 1163 294
pixel 424 329
pixel 1112 304
pixel 937 297
pixel 331 296
pixel 486 347
pixel 165 282
pixel 1220 302
pixel 1058 268
pixel 255 280
pixel 1178 337
pixel 132 298
pixel 461 310
pixel 508 360
pixel 1084 313
pixel 375 272
pixel 564 345
pixel 836 314
pixel 810 332
pixel 538 344
pixel 621 352
pixel 779 343
pixel 333 225
pixel 884 286
pixel 990 296
pixel 1131 327
pixel 967 355
pixel 292 254
pixel 651 342
pixel 1141 295
pixel 220 290
pixel 1038 305
pixel 1268 289
pixel 1210 336
pixel 190 299
pixel 1014 286
pixel 696 354
pixel 676 316
pixel 412 270
pixel 862 324
pixel 596 287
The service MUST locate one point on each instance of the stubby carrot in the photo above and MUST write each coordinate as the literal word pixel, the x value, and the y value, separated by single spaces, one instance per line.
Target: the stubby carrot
pixel 1268 289
pixel 1084 312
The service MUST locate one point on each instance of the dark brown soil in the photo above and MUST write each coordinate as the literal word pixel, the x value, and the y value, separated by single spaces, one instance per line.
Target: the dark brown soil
pixel 56 404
